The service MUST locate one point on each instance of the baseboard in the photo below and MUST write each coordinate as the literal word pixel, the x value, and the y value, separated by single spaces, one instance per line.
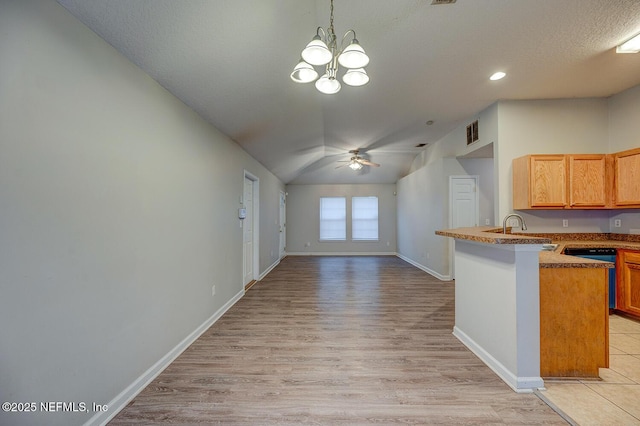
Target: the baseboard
pixel 269 269
pixel 130 392
pixel 341 253
pixel 424 268
pixel 518 384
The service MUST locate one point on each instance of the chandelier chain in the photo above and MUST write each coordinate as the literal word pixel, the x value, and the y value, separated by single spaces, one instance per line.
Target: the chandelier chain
pixel 332 33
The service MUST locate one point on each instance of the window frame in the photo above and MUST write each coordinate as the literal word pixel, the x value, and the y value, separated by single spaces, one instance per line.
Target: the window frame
pixel 321 221
pixel 358 211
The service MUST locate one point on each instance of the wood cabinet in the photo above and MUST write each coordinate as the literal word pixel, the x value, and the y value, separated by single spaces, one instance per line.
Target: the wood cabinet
pixel 576 181
pixel 628 282
pixel 590 181
pixel 539 181
pixel 627 178
pixel 574 322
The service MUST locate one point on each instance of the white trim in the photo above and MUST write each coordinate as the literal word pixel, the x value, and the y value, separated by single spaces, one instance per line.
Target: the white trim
pixel 256 224
pixel 517 383
pixel 269 269
pixel 282 216
pixel 476 178
pixel 342 253
pixel 131 391
pixel 425 269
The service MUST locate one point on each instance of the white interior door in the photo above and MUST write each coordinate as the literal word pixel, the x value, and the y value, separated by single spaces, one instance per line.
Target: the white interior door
pixel 283 224
pixel 247 234
pixel 464 196
pixel 464 207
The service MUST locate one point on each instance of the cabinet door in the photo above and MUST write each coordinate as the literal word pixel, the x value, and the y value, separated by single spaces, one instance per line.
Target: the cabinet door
pixel 627 178
pixel 548 181
pixel 590 184
pixel 628 289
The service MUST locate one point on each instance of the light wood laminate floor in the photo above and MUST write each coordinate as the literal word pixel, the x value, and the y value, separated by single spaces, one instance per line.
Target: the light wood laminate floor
pixel 335 340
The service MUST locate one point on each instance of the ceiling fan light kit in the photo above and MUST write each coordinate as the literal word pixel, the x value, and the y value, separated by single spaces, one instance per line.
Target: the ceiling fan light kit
pixel 357 162
pixel 323 50
pixel 354 165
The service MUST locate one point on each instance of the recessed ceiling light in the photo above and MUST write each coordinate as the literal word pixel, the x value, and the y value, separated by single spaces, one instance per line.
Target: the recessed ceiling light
pixel 630 46
pixel 420 145
pixel 429 123
pixel 497 76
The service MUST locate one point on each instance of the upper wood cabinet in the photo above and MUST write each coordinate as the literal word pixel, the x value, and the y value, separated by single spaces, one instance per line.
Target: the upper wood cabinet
pixel 627 178
pixel 590 181
pixel 540 181
pixel 574 181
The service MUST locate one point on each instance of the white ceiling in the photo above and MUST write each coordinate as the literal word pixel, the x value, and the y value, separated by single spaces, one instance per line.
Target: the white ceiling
pixel 230 61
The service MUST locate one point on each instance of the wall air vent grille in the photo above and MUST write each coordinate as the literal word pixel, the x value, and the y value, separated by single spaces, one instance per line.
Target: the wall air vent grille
pixel 442 2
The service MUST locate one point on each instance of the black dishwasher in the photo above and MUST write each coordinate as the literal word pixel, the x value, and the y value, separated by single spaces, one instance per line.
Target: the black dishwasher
pixel 601 253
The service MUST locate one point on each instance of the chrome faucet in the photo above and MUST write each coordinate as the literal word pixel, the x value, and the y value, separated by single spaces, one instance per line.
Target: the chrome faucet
pixel 504 222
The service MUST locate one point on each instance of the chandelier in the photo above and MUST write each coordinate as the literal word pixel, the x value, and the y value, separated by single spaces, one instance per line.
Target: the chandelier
pixel 323 50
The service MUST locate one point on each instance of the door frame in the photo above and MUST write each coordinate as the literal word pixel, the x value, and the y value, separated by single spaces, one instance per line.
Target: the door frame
pixel 256 222
pixel 282 217
pixel 452 243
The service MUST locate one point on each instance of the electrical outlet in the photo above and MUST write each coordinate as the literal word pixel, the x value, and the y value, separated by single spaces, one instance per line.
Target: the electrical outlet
pixel 487 222
pixel 213 290
pixel 513 222
pixel 617 223
pixel 565 223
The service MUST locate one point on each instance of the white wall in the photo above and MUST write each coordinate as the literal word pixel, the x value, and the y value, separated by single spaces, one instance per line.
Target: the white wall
pixel 303 219
pixel 423 195
pixel 421 212
pixel 624 116
pixel 118 213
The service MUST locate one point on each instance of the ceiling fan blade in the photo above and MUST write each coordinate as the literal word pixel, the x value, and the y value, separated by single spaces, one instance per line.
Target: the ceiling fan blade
pixel 367 162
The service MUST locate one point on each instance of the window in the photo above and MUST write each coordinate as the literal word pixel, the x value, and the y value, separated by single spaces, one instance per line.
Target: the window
pixel 333 218
pixel 364 218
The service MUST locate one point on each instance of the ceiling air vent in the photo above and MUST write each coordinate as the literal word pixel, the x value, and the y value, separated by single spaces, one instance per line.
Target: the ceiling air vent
pixel 442 2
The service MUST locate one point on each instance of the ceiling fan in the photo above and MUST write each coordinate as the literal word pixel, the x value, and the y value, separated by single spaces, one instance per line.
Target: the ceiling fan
pixel 357 162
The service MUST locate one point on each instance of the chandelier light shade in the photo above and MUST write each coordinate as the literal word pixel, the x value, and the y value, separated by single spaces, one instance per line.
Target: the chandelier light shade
pixel 323 50
pixel 304 73
pixel 353 56
pixel 356 77
pixel 317 52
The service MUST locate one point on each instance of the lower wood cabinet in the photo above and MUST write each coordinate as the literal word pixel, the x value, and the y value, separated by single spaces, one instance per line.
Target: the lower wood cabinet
pixel 628 282
pixel 574 322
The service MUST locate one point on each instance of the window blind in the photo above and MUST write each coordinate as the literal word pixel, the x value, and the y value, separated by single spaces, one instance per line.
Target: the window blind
pixel 333 218
pixel 364 218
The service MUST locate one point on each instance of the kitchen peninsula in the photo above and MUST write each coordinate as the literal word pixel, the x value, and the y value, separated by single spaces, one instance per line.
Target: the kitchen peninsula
pixel 498 304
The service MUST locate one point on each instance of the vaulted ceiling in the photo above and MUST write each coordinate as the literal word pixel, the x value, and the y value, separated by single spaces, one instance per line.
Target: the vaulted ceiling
pixel 230 61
